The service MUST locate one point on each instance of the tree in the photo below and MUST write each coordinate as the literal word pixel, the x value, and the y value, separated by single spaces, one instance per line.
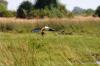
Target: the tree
pixel 89 12
pixel 2 7
pixel 50 8
pixel 24 9
pixel 4 2
pixel 78 10
pixel 2 10
pixel 41 4
pixel 97 12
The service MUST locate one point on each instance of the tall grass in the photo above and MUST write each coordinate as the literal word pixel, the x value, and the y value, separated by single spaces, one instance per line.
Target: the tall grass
pixel 81 48
pixel 35 50
pixel 75 26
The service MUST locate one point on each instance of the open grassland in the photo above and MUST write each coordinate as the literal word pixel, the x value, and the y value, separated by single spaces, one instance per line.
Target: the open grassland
pixel 76 42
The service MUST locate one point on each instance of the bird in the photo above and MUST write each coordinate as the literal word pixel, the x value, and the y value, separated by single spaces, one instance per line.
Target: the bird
pixel 45 28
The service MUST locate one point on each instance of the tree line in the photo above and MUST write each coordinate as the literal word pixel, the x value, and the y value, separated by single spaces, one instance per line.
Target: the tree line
pixel 41 9
pixel 45 8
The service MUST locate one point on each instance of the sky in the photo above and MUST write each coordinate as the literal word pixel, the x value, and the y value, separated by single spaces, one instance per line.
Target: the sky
pixel 70 4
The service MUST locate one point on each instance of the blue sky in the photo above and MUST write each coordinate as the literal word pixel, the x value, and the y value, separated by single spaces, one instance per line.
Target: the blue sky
pixel 70 4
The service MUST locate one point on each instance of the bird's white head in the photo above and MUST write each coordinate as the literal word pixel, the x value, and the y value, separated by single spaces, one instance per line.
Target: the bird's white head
pixel 47 28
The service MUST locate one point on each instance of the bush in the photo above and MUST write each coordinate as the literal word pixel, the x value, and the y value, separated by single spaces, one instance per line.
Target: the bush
pixel 43 9
pixel 24 9
pixel 97 12
pixel 8 14
pixel 4 12
pixel 89 12
pixel 52 13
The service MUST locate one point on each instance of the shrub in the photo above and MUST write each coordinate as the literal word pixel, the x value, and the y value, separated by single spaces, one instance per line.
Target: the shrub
pixel 4 12
pixel 46 12
pixel 8 14
pixel 89 12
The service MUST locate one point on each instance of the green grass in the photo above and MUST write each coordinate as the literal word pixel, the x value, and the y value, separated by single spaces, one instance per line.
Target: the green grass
pixel 31 49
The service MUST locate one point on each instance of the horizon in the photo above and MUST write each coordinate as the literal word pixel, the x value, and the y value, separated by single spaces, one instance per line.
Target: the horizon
pixel 69 4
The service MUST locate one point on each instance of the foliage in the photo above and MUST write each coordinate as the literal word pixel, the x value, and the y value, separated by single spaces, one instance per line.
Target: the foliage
pixel 24 9
pixel 37 13
pixel 51 13
pixel 2 7
pixel 50 9
pixel 4 12
pixel 89 12
pixel 8 14
pixel 77 10
pixel 41 9
pixel 82 12
pixel 97 12
pixel 41 4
